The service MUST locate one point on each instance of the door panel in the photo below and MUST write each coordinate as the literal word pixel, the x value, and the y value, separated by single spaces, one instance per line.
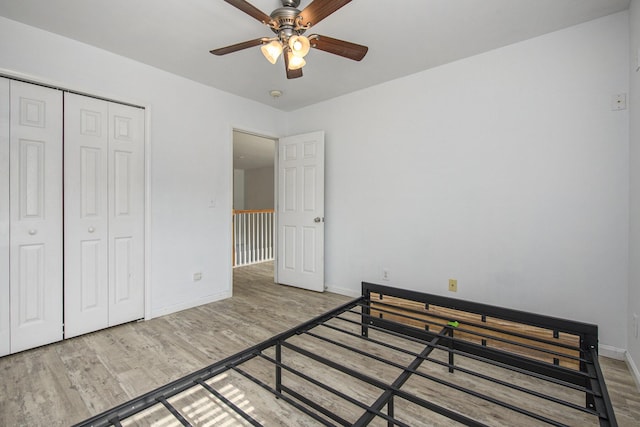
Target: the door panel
pixel 31 285
pixel 123 285
pixel 310 186
pixel 301 211
pixel 289 203
pixel 309 264
pixel 288 245
pixel 91 181
pixel 91 278
pixel 5 336
pixel 126 213
pixel 35 216
pixel 31 183
pixel 85 216
pixel 122 183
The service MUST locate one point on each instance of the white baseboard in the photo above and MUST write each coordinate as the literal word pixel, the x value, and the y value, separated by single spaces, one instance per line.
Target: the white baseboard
pixel 343 291
pixel 634 369
pixel 612 352
pixel 163 311
pixel 620 354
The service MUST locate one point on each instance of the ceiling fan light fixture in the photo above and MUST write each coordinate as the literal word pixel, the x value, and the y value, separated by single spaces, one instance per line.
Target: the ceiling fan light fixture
pixel 289 24
pixel 295 62
pixel 299 45
pixel 272 51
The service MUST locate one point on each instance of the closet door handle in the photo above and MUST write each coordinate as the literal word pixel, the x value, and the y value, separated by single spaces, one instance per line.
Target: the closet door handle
pixel 33 232
pixel 91 230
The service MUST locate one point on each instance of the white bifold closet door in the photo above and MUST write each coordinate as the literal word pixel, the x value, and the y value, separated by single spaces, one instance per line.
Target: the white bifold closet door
pixel 35 200
pixel 104 214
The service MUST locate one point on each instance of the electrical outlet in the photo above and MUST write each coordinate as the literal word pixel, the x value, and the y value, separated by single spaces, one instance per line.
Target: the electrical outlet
pixel 619 102
pixel 453 285
pixel 385 274
pixel 197 276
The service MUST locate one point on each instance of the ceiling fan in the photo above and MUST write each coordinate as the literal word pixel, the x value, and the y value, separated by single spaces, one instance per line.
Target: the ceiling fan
pixel 289 24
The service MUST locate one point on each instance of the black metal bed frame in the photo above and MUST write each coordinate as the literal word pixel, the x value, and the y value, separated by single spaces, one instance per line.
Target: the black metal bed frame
pixel 494 339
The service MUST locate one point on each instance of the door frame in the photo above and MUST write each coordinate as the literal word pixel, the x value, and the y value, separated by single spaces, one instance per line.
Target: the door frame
pixel 276 140
pixel 94 93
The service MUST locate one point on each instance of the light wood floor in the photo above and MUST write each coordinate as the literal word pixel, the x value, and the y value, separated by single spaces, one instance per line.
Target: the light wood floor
pixel 67 382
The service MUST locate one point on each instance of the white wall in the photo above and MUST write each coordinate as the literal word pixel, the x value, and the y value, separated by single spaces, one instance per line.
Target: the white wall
pixel 259 188
pixel 238 189
pixel 507 171
pixel 191 165
pixel 634 255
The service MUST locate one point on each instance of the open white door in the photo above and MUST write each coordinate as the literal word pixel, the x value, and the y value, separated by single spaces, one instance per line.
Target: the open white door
pixel 300 260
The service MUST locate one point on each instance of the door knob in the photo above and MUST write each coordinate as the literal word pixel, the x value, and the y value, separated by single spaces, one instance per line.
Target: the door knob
pixel 91 230
pixel 33 232
pixel 317 219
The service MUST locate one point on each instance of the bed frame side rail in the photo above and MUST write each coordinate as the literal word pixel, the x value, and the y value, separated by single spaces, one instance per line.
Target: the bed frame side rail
pixel 113 416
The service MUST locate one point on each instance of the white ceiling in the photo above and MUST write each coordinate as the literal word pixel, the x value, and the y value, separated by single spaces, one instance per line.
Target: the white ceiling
pixel 404 37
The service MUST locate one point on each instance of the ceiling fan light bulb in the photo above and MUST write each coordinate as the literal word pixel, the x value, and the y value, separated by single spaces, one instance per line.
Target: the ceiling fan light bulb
pixel 299 45
pixel 272 51
pixel 295 62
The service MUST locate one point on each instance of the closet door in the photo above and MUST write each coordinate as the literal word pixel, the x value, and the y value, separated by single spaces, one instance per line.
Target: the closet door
pixel 126 213
pixel 85 214
pixel 35 216
pixel 4 218
pixel 104 214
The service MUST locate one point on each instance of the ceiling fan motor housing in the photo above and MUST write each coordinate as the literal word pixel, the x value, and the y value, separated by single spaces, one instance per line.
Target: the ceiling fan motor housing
pixel 285 19
pixel 290 3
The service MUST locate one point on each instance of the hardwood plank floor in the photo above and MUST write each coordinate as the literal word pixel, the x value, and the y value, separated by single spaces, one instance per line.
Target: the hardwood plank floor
pixel 66 382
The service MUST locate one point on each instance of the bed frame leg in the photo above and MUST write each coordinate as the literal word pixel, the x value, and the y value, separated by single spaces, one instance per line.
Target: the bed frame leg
pixel 390 412
pixel 451 361
pixel 278 368
pixel 366 310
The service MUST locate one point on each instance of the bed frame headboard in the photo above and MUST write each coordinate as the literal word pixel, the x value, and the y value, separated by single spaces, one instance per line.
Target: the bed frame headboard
pixel 553 347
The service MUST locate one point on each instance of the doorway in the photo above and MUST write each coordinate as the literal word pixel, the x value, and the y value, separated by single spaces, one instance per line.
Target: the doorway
pixel 290 176
pixel 253 199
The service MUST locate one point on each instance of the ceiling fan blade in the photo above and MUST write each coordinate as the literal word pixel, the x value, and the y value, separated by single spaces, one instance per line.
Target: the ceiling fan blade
pixel 294 74
pixel 291 74
pixel 339 47
pixel 320 9
pixel 250 10
pixel 236 47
